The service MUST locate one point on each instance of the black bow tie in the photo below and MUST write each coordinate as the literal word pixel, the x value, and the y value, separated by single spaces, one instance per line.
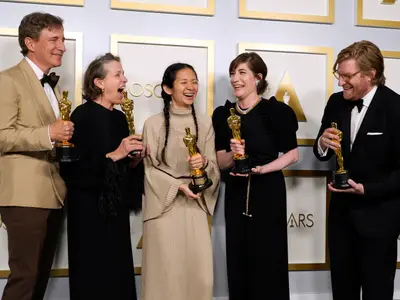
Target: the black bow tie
pixel 51 79
pixel 358 103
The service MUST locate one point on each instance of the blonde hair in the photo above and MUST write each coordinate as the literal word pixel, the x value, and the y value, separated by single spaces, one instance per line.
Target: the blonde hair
pixel 368 57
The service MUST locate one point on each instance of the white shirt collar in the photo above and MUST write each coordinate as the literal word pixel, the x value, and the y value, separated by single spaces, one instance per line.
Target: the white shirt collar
pixel 39 73
pixel 368 97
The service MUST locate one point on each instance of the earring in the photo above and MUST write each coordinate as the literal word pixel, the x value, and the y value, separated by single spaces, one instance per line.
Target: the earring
pixel 257 82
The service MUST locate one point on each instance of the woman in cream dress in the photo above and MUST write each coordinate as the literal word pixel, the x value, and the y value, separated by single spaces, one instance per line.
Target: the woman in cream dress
pixel 177 253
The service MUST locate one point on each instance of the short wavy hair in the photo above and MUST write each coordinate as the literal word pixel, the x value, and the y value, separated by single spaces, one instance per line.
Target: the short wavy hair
pixel 256 64
pixel 31 26
pixel 368 57
pixel 96 70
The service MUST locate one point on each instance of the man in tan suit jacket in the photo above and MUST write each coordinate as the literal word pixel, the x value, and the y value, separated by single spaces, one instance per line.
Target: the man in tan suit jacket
pixel 31 189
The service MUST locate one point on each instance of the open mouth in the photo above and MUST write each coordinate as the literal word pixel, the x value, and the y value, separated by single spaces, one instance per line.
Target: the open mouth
pixel 189 96
pixel 346 88
pixel 120 90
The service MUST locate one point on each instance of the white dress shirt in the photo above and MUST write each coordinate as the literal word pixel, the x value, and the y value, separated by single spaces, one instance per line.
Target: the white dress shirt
pixel 356 120
pixel 47 88
pixel 48 91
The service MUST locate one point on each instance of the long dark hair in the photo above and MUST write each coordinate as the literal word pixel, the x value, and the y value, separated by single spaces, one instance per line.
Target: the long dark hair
pixel 168 80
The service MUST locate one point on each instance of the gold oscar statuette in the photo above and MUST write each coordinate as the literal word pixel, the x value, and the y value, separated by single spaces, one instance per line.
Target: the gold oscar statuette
pixel 241 161
pixel 65 151
pixel 200 180
pixel 340 176
pixel 127 108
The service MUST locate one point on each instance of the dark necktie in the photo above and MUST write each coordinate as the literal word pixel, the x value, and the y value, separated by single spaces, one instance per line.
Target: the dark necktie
pixel 51 79
pixel 358 103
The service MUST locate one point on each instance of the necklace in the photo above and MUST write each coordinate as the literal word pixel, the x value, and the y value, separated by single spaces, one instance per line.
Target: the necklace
pixel 247 110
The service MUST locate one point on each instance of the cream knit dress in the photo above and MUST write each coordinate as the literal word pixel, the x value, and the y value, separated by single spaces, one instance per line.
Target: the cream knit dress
pixel 177 253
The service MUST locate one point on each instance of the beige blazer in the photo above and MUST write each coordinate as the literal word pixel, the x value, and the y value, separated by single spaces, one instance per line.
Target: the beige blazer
pixel 28 175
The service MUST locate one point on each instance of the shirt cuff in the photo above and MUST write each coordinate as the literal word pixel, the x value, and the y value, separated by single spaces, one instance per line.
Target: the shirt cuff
pixel 321 152
pixel 48 133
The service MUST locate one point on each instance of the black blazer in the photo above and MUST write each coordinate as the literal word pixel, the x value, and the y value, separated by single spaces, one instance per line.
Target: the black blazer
pixel 373 161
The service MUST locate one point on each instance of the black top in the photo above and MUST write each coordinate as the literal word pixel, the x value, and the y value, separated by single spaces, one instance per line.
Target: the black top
pixel 99 131
pixel 100 193
pixel 373 160
pixel 268 129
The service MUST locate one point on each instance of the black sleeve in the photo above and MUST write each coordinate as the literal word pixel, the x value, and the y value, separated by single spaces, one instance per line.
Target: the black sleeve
pixel 222 131
pixel 122 187
pixel 89 170
pixel 325 123
pixel 286 121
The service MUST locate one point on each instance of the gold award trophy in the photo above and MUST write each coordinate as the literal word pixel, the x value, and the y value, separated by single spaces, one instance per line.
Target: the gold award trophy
pixel 241 160
pixel 200 180
pixel 340 176
pixel 65 151
pixel 127 107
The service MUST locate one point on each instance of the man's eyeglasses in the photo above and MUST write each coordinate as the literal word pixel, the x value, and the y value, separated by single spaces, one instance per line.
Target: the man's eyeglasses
pixel 345 77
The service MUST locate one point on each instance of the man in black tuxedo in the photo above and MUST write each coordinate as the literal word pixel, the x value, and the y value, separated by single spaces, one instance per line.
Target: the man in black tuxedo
pixel 364 219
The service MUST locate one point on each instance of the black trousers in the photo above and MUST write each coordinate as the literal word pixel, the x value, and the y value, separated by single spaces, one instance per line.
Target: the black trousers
pixel 360 264
pixel 257 247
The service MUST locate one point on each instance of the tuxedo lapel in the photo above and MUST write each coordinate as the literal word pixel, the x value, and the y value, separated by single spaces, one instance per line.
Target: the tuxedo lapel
pixel 370 117
pixel 57 92
pixel 42 103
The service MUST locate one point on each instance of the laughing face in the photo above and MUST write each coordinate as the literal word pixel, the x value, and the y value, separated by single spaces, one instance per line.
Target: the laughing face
pixel 113 84
pixel 48 50
pixel 355 84
pixel 184 90
pixel 243 81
